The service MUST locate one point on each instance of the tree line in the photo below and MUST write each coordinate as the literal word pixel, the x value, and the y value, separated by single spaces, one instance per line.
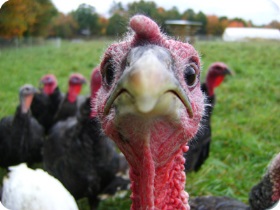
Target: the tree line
pixel 40 18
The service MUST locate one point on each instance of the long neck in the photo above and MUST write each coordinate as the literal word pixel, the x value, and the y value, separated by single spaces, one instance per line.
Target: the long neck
pixel 159 187
pixel 157 165
pixel 21 127
pixel 26 103
pixel 213 81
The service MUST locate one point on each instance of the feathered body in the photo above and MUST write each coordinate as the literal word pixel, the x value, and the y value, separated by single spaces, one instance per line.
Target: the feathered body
pixel 46 103
pixel 217 203
pixel 82 158
pixel 2 207
pixel 25 188
pixel 70 104
pixel 276 206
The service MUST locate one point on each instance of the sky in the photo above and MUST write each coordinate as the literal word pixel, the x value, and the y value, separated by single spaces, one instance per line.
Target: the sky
pixel 259 11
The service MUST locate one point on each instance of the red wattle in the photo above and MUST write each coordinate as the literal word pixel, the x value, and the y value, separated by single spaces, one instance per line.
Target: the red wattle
pixel 73 92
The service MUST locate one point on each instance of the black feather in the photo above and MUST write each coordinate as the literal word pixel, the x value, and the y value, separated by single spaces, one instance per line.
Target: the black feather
pixel 44 107
pixel 82 158
pixel 21 139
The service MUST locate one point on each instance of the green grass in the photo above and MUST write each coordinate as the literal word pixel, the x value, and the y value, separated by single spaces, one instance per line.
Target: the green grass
pixel 245 122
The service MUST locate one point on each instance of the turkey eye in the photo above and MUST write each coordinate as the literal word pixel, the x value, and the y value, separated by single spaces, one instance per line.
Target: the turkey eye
pixel 189 75
pixel 109 72
pixel 74 80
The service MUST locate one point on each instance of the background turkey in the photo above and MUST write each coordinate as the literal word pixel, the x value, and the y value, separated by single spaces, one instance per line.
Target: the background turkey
pixel 21 136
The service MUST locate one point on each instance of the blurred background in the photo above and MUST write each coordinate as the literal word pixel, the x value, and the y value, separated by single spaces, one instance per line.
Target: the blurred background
pixel 33 21
pixel 39 37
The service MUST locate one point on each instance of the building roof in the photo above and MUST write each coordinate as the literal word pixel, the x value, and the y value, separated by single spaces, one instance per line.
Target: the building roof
pixel 243 34
pixel 182 22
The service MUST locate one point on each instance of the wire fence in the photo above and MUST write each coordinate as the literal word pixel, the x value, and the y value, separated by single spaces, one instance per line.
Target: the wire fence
pixel 28 42
pixel 56 42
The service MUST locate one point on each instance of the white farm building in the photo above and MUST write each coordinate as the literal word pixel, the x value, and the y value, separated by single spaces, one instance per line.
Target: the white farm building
pixel 243 34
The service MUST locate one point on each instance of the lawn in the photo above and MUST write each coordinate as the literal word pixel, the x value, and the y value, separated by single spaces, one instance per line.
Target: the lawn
pixel 245 122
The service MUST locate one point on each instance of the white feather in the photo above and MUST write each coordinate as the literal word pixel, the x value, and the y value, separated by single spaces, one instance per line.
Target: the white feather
pixel 28 189
pixel 2 207
pixel 276 207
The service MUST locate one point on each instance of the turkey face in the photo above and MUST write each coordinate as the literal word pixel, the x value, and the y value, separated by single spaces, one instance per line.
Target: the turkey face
pixel 215 76
pixel 76 82
pixel 26 94
pixel 148 87
pixel 76 79
pixel 49 83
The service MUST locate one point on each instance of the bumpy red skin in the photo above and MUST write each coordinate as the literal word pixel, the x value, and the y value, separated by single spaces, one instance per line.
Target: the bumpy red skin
pixel 153 148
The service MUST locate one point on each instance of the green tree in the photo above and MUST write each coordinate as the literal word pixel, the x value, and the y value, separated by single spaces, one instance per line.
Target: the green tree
pixel 201 17
pixel 148 8
pixel 117 25
pixel 16 16
pixel 173 14
pixel 189 14
pixel 63 26
pixel 87 19
pixel 45 13
pixel 25 17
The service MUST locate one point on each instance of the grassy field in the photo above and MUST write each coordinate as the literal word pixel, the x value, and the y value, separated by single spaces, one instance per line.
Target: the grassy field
pixel 245 122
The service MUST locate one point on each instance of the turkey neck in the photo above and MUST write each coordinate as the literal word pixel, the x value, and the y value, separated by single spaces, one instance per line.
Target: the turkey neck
pixel 26 103
pixel 167 179
pixel 156 163
pixel 213 81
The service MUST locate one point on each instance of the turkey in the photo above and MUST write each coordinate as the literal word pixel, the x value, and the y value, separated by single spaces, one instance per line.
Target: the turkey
pixel 2 207
pixel 276 206
pixel 25 188
pixel 264 195
pixel 21 136
pixel 82 158
pixel 200 144
pixel 69 105
pixel 45 103
pixel 150 104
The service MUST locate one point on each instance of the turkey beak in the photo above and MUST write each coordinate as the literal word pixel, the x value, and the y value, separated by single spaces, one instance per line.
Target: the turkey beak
pixel 227 72
pixel 151 86
pixel 84 81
